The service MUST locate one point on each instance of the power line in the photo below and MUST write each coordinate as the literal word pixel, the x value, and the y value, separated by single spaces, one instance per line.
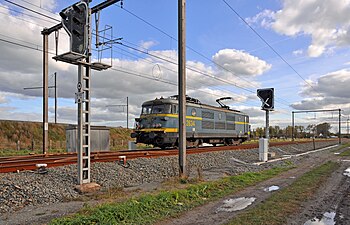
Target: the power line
pixel 187 46
pixel 22 45
pixel 123 71
pixel 192 49
pixel 173 71
pixel 26 8
pixel 197 52
pixel 148 23
pixel 36 6
pixel 20 40
pixel 189 68
pixel 27 21
pixel 134 73
pixel 270 46
pixel 194 70
pixel 25 46
pixel 231 93
pixel 16 11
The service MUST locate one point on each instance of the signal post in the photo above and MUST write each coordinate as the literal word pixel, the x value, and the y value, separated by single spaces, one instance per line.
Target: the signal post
pixel 267 99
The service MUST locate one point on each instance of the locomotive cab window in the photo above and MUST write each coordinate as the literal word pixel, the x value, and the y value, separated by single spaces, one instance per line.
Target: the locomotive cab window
pixel 161 109
pixel 174 110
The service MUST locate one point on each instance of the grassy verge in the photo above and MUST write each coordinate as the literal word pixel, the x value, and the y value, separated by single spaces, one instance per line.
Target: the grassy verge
pixel 5 153
pixel 150 208
pixel 347 151
pixel 280 205
pixel 341 147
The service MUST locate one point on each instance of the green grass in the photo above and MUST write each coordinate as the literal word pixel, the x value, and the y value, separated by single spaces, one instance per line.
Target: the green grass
pixel 341 147
pixel 277 208
pixel 345 153
pixel 150 208
pixel 4 152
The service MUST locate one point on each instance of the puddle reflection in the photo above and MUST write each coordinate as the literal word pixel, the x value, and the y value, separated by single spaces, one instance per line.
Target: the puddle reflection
pixel 327 219
pixel 347 172
pixel 231 205
pixel 271 188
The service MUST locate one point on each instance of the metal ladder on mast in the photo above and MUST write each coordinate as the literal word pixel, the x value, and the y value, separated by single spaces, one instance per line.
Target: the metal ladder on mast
pixel 85 128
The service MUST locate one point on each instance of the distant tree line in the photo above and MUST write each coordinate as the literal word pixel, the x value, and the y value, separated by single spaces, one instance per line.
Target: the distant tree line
pixel 312 130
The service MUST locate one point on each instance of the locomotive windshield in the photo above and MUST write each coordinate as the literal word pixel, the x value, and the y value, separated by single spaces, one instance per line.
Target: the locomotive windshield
pixel 147 109
pixel 156 109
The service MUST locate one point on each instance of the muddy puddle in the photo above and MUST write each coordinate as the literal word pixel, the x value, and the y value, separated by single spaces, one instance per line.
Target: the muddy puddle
pixel 231 205
pixel 327 219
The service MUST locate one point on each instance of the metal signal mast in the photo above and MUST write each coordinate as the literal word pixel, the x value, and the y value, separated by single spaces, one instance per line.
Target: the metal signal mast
pixel 76 20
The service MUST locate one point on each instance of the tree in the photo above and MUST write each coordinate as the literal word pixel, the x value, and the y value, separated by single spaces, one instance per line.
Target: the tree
pixel 323 129
pixel 288 131
pixel 259 132
pixel 311 129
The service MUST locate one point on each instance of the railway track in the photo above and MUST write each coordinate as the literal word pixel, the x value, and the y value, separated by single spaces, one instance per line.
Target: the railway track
pixel 30 162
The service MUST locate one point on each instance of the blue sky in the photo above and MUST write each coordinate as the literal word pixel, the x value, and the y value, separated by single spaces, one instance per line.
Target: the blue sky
pixel 312 36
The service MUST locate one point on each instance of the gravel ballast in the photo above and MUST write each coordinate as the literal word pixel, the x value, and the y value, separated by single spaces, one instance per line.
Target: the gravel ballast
pixel 18 190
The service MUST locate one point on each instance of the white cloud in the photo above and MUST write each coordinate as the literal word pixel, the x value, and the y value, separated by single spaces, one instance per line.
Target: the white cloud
pixel 327 91
pixel 46 4
pixel 265 18
pixel 147 44
pixel 3 100
pixel 326 21
pixel 10 113
pixel 298 52
pixel 140 80
pixel 240 62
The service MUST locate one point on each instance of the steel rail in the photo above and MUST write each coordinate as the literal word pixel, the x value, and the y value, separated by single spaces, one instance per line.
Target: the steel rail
pixel 29 162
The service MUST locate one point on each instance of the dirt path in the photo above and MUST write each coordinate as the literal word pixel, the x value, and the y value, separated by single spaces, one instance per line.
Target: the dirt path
pixel 209 214
pixel 332 197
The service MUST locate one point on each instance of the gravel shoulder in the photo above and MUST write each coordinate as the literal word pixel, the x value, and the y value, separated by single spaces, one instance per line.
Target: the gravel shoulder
pixel 31 198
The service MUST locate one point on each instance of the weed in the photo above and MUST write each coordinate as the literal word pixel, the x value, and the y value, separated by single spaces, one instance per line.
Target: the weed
pixel 345 153
pixel 341 147
pixel 149 208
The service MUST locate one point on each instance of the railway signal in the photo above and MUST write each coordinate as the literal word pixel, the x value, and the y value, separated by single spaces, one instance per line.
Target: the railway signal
pixel 267 98
pixel 75 22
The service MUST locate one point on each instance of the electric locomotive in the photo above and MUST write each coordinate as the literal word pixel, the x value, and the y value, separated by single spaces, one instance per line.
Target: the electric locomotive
pixel 158 123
